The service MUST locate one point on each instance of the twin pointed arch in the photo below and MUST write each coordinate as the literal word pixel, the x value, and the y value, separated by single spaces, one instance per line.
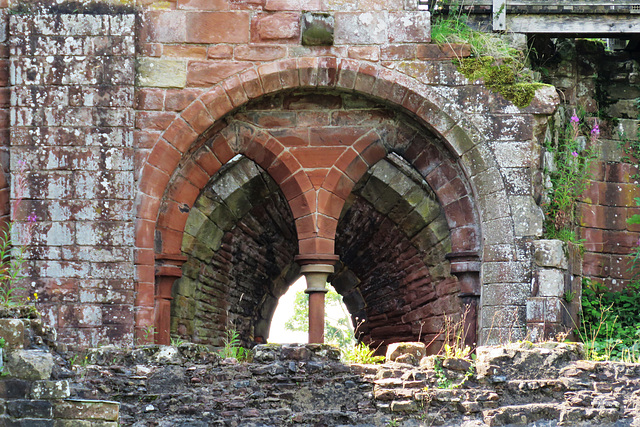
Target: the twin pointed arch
pixel 194 147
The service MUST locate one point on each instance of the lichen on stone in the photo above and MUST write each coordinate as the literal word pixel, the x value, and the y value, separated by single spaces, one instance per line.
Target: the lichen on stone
pixel 502 76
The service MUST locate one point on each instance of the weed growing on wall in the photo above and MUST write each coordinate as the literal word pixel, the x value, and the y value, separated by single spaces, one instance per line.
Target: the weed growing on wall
pixel 232 347
pixel 12 255
pixel 502 67
pixel 569 174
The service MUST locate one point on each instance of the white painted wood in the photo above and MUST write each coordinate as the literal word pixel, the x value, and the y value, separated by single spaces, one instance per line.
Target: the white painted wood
pixel 499 15
pixel 574 24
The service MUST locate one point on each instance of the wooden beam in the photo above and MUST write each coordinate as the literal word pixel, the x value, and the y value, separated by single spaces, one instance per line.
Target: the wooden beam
pixel 499 15
pixel 574 24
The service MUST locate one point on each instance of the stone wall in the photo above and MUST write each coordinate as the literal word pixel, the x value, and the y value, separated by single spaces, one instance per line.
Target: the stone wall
pixel 72 127
pixel 121 159
pixel 35 382
pixel 587 77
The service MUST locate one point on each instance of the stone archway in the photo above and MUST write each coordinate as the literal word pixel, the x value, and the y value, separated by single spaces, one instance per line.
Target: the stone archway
pixel 192 150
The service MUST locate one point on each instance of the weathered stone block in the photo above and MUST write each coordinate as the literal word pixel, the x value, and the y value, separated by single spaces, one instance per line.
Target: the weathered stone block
pixel 528 217
pixel 550 282
pixel 87 410
pixel 417 349
pixel 361 28
pixel 550 253
pixel 409 27
pixel 29 364
pixel 317 29
pixel 12 330
pixel 29 408
pixel 50 390
pixel 156 72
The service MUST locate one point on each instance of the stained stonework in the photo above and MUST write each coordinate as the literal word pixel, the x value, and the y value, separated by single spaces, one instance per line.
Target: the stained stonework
pixel 128 148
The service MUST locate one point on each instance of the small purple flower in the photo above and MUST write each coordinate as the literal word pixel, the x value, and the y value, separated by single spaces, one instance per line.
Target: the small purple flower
pixel 595 130
pixel 32 218
pixel 21 163
pixel 575 119
pixel 574 154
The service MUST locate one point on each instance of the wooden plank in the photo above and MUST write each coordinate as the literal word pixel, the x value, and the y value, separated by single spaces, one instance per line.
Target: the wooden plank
pixel 574 24
pixel 499 15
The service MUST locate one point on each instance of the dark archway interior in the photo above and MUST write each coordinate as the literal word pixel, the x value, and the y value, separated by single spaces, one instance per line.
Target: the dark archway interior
pixel 392 240
pixel 392 237
pixel 240 242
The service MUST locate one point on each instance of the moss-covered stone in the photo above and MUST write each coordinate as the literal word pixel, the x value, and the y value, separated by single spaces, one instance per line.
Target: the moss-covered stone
pixel 500 76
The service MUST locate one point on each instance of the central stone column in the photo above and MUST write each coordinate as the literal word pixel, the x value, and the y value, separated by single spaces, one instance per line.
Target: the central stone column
pixel 316 275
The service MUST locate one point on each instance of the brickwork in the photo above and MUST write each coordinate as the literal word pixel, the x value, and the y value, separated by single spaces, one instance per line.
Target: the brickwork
pixel 114 175
pixel 593 80
pixel 71 125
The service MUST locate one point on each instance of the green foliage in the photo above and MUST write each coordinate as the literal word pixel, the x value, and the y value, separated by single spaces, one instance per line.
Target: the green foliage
pixel 336 330
pixel 610 326
pixel 11 271
pixel 232 347
pixel 176 342
pixel 360 353
pixel 569 177
pixel 454 338
pixel 3 342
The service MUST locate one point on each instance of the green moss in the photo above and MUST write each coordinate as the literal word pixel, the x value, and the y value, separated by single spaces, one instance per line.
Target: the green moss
pixel 501 77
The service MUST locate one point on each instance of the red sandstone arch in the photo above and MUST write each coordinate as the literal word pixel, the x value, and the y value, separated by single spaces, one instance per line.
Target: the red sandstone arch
pixel 162 193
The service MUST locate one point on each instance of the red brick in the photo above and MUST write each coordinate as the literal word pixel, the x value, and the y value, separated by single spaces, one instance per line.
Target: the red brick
pixel 184 51
pixel 619 242
pixel 164 156
pixel 218 27
pixel 180 135
pixel 221 51
pixel 203 4
pixel 251 83
pixel 235 91
pixel 173 214
pixel 308 71
pixel 207 161
pixel 619 172
pixel 338 183
pixel 144 233
pixel 317 246
pixel 208 73
pixel 149 99
pixel 145 294
pixel 594 192
pixel 154 120
pixel 593 239
pixel 153 181
pixel 147 207
pixel 198 117
pixel 327 226
pixel 296 185
pixel 263 152
pixel 270 77
pixel 294 137
pixel 317 157
pixel 460 213
pixel 304 204
pixel 276 26
pixel 374 153
pixel 283 167
pixel 395 52
pixel 329 204
pixel 289 76
pixel 595 264
pixel 259 52
pixel 195 174
pixel 153 50
pixel 143 139
pixel 278 5
pixel 217 102
pixel 317 176
pixel 144 256
pixel 179 99
pixel 171 241
pixel 247 4
pixel 368 53
pixel 222 150
pixel 335 136
pixel 306 227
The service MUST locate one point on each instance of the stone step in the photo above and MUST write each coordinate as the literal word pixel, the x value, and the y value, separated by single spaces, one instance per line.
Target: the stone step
pixel 521 414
